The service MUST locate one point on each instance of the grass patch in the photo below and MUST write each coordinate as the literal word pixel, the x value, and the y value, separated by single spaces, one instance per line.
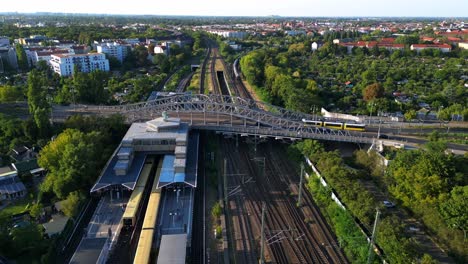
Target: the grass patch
pixel 350 238
pixel 17 207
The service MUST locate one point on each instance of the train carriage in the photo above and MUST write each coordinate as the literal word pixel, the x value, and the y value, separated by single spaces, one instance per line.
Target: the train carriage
pixel 134 203
pixel 355 127
pixel 335 125
pixel 145 242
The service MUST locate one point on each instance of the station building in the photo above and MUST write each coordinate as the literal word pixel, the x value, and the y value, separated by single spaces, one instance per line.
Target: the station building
pixel 177 149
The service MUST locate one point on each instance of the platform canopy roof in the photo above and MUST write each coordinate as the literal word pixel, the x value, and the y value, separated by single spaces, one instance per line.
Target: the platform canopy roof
pixel 109 178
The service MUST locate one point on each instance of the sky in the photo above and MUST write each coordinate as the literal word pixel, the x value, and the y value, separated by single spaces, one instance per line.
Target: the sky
pixel 312 8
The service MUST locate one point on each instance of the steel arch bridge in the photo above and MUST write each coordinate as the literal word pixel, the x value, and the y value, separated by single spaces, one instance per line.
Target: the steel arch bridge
pixel 227 114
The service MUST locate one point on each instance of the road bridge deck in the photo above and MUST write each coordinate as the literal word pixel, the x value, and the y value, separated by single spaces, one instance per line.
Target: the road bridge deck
pixel 225 113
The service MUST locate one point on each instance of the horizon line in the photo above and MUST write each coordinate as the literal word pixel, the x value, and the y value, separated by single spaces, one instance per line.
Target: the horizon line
pixel 240 16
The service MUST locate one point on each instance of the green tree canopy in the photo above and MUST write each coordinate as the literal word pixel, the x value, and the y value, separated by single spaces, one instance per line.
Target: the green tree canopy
pixel 10 93
pixel 22 58
pixel 73 161
pixel 453 210
pixel 70 205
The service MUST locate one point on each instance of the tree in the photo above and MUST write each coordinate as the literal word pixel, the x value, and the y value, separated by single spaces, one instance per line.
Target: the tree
pixel 70 205
pixel 36 92
pixel 41 119
pixel 427 259
pixel 10 94
pixel 410 115
pixel 397 248
pixel 28 238
pixel 37 101
pixel 84 38
pixel 90 86
pixel 373 91
pixel 23 63
pixel 163 62
pixel 36 210
pixel 141 55
pixel 453 210
pixel 151 48
pixel 73 160
pixel 252 66
pixel 408 40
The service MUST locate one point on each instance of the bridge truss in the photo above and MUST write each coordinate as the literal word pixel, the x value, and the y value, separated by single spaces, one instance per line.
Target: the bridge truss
pixel 229 114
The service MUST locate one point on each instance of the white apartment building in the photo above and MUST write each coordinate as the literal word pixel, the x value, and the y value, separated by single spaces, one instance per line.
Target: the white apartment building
pixel 64 64
pixel 463 45
pixel 230 33
pixel 117 50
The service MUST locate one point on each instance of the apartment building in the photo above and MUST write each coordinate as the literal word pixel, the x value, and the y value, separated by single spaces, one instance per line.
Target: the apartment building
pixel 117 50
pixel 442 47
pixel 230 33
pixel 64 64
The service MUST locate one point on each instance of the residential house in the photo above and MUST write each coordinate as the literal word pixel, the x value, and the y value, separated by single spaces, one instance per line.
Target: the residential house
pixel 22 153
pixel 11 186
pixel 316 45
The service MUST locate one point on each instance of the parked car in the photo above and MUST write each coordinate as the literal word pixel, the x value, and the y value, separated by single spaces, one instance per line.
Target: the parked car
pixel 388 204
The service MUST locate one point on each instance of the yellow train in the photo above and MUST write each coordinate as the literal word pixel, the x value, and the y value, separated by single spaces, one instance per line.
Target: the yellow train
pixel 134 203
pixel 145 242
pixel 335 125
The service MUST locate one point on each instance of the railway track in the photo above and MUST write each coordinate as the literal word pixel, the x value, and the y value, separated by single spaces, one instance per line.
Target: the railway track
pixel 240 87
pixel 288 238
pixel 183 84
pixel 203 71
pixel 198 234
pixel 213 74
pixel 243 239
pixel 322 235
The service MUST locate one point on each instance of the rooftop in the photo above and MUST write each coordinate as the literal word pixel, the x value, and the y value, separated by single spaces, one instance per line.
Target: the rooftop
pixel 108 178
pixel 173 249
pixel 68 55
pixel 88 251
pixel 157 129
pixel 5 171
pixel 170 162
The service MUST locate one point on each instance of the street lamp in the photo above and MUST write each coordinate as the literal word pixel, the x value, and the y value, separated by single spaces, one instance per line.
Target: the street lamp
pixel 49 99
pixel 372 104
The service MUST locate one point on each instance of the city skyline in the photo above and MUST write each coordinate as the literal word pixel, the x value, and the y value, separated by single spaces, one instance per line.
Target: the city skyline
pixel 298 8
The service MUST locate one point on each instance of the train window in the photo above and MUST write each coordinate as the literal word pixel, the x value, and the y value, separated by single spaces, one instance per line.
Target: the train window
pixel 333 125
pixel 355 125
pixel 127 221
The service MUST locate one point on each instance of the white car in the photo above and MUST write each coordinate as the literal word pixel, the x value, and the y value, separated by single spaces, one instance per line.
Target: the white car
pixel 388 204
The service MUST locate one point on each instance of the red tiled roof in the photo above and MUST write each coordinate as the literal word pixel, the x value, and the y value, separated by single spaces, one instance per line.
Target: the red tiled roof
pixel 454 39
pixel 431 46
pixel 387 40
pixel 453 33
pixel 385 45
pixel 427 39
